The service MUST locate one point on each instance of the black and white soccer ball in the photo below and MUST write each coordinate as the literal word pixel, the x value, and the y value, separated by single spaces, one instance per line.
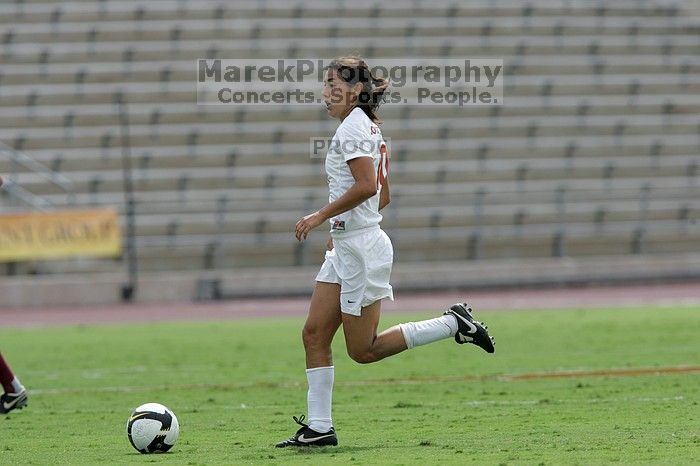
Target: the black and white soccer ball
pixel 152 428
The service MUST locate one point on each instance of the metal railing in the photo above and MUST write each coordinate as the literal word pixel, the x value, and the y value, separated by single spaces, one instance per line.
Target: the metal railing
pixel 12 187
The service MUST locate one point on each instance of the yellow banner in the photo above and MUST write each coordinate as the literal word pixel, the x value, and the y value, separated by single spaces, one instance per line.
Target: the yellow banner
pixel 58 234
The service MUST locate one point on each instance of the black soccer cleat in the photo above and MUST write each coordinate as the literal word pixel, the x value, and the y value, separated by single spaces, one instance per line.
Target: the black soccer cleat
pixel 469 330
pixel 10 401
pixel 307 437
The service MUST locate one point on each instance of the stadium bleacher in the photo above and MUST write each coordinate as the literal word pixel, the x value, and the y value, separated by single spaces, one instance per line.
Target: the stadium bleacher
pixel 595 152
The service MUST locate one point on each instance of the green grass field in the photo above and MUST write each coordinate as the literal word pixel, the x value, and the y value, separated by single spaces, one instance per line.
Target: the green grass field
pixel 234 386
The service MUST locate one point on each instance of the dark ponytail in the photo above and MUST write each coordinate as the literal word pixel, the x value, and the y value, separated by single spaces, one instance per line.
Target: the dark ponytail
pixel 353 69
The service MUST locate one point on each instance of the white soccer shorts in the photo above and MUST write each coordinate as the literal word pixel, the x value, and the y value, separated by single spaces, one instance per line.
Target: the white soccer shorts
pixel 361 264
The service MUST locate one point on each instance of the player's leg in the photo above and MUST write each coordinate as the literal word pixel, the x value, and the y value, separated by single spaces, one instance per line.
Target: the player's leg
pixel 365 346
pixel 366 276
pixel 15 396
pixel 363 343
pixel 366 280
pixel 321 325
pixel 456 322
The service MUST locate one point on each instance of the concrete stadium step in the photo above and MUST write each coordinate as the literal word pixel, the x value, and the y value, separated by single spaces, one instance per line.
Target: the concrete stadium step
pixel 430 194
pixel 601 214
pixel 29 97
pixel 420 244
pixel 305 200
pixel 503 44
pixel 236 28
pixel 206 9
pixel 532 247
pixel 429 248
pixel 175 69
pixel 651 152
pixel 493 166
pixel 157 116
pixel 189 134
pixel 672 71
pixel 158 51
pixel 522 175
pixel 503 193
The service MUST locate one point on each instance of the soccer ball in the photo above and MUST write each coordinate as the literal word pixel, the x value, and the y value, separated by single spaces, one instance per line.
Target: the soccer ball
pixel 152 428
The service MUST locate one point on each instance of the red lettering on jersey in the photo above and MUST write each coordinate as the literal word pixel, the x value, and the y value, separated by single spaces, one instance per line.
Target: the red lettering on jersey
pixel 383 169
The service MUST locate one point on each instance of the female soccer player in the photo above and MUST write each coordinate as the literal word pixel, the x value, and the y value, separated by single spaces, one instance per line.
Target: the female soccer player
pixel 355 275
pixel 15 396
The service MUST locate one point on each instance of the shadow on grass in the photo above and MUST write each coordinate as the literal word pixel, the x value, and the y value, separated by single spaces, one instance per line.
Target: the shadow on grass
pixel 340 450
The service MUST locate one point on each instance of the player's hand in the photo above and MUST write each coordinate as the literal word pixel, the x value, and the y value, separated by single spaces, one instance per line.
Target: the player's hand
pixel 329 244
pixel 306 224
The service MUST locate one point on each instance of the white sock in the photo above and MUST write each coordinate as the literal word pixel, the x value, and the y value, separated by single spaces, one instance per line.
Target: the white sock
pixel 320 397
pixel 428 331
pixel 16 385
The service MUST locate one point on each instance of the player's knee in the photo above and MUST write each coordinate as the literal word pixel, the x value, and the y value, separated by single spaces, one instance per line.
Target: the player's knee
pixel 307 335
pixel 313 336
pixel 362 356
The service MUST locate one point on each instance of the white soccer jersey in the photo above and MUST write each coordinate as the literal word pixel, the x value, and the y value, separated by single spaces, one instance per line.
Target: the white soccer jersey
pixel 356 136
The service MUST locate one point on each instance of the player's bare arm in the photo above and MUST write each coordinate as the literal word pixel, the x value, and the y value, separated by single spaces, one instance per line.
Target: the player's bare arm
pixel 365 186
